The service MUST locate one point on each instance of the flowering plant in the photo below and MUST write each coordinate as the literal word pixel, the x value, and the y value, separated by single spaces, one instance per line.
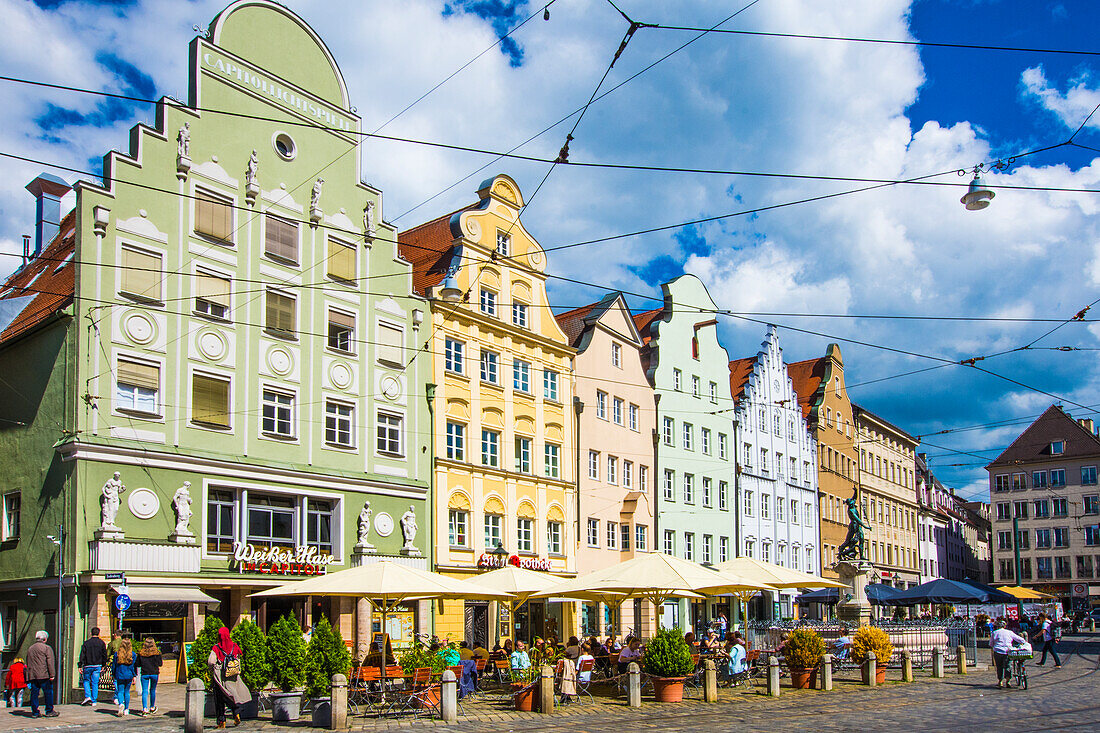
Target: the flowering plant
pixel 871 639
pixel 804 649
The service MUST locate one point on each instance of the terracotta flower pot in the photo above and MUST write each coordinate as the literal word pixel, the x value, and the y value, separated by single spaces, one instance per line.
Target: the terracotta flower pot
pixel 803 678
pixel 880 675
pixel 668 689
pixel 524 696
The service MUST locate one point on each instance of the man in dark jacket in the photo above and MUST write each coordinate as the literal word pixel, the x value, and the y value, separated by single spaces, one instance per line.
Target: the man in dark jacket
pixel 41 669
pixel 93 655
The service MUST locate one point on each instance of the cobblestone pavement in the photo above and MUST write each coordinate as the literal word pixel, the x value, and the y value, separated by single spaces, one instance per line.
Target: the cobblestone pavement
pixel 1057 699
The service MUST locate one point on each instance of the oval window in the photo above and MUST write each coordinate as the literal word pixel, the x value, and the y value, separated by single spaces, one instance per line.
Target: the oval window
pixel 284 146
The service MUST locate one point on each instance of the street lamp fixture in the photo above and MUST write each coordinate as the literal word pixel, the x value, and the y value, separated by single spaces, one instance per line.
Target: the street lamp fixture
pixel 979 195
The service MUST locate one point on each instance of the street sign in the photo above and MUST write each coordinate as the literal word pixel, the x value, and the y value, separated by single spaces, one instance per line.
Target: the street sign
pixel 114 576
pixel 122 602
pixel 1079 589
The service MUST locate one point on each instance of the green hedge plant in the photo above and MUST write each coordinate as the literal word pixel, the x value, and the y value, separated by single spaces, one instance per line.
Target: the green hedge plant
pixel 286 653
pixel 255 668
pixel 668 655
pixel 418 656
pixel 328 656
pixel 200 650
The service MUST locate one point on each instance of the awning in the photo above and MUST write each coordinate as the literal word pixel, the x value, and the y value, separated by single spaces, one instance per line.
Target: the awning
pixel 164 594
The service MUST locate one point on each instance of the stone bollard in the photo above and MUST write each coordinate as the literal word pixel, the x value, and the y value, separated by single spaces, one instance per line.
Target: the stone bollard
pixel 634 685
pixel 906 666
pixel 826 672
pixel 546 689
pixel 338 703
pixel 448 700
pixel 870 670
pixel 960 659
pixel 194 705
pixel 1092 625
pixel 710 681
pixel 773 677
pixel 937 661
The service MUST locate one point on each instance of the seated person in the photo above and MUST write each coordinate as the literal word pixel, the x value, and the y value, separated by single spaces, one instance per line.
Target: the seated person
pixel 586 654
pixel 448 654
pixel 736 652
pixel 464 651
pixel 783 639
pixel 711 643
pixel 842 645
pixel 612 645
pixel 689 637
pixel 630 653
pixel 519 658
pixel 573 648
pixel 480 652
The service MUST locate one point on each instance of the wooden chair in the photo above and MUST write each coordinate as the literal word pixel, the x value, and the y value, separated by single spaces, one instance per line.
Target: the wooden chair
pixel 479 665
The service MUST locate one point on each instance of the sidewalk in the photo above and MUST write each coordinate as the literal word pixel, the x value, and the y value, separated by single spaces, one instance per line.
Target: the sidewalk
pixel 169 702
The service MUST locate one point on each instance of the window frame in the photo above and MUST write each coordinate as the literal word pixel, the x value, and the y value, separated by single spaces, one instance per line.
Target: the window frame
pixel 332 424
pixel 397 427
pixel 279 257
pixel 487 302
pixel 455 441
pixel 278 407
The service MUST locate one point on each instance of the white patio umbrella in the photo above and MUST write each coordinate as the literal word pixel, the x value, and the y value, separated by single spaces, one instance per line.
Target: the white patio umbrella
pixel 776 576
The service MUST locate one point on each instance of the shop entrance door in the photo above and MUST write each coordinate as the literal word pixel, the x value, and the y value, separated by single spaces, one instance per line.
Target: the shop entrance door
pixel 476 630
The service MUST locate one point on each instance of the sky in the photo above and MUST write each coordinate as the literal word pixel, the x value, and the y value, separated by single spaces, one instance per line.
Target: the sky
pixel 796 107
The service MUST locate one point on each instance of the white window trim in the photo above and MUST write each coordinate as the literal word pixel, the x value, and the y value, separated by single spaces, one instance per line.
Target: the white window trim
pixel 402 437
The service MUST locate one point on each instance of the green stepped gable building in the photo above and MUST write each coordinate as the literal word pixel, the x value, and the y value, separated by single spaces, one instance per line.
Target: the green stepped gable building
pixel 209 380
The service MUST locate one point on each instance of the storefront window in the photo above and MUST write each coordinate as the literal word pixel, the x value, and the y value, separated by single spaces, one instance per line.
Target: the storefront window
pixel 270 521
pixel 221 513
pixel 319 525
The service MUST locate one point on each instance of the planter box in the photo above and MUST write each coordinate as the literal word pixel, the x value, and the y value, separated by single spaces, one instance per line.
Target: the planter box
pixel 322 712
pixel 880 675
pixel 804 678
pixel 286 706
pixel 525 697
pixel 668 689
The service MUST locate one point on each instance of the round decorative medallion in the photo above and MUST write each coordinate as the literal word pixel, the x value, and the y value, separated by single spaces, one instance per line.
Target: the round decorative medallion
pixel 212 345
pixel 535 258
pixel 340 375
pixel 279 361
pixel 383 524
pixel 391 387
pixel 143 503
pixel 140 328
pixel 473 228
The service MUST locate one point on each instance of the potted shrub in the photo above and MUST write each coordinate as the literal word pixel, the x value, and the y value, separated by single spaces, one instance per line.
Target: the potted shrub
pixel 328 656
pixel 255 669
pixel 667 660
pixel 286 653
pixel 419 656
pixel 872 639
pixel 803 654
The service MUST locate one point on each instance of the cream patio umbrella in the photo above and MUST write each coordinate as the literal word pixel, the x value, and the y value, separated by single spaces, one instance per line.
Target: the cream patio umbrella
pixel 520 582
pixel 776 576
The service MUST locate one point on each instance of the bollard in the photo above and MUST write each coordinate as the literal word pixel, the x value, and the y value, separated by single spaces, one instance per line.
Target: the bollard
pixel 773 677
pixel 906 666
pixel 1092 625
pixel 960 659
pixel 634 685
pixel 827 672
pixel 448 700
pixel 870 670
pixel 338 703
pixel 546 689
pixel 710 681
pixel 194 705
pixel 937 661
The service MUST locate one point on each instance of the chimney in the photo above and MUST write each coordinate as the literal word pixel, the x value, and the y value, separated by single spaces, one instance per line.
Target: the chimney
pixel 47 191
pixel 1086 423
pixel 26 249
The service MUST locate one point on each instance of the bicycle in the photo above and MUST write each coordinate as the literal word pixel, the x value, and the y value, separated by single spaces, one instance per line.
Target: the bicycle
pixel 1019 658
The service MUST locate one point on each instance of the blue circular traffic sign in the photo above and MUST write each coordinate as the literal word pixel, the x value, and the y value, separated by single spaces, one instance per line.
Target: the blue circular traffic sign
pixel 122 602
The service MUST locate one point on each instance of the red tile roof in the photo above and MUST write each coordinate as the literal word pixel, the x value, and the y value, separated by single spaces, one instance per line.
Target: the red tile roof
pixel 427 247
pixel 806 378
pixel 50 278
pixel 572 322
pixel 642 321
pixel 740 371
pixel 1053 425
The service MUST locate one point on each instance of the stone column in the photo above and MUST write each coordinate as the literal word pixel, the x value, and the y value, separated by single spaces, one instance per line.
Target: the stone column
pixel 960 659
pixel 827 672
pixel 448 701
pixel 870 670
pixel 194 705
pixel 634 685
pixel 906 666
pixel 773 677
pixel 937 662
pixel 546 689
pixel 854 609
pixel 710 681
pixel 338 702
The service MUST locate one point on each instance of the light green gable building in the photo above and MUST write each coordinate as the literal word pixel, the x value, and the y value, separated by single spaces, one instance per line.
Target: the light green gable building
pixel 689 371
pixel 239 349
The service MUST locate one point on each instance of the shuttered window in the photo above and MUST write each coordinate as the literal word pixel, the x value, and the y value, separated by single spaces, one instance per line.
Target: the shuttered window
pixel 137 387
pixel 212 295
pixel 141 274
pixel 210 401
pixel 341 331
pixel 390 348
pixel 281 238
pixel 341 260
pixel 213 216
pixel 280 313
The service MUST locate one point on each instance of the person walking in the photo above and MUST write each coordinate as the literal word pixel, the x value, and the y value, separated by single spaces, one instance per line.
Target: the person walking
pixel 93 655
pixel 15 682
pixel 123 668
pixel 1000 643
pixel 225 671
pixel 112 650
pixel 148 664
pixel 1046 634
pixel 42 670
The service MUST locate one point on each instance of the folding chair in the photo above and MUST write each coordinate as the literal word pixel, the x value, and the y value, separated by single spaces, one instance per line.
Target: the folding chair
pixel 584 682
pixel 420 696
pixel 479 666
pixel 458 670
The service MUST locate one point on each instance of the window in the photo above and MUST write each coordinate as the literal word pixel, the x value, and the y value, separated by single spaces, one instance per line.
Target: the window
pixel 593 532
pixel 488 303
pixel 1000 483
pixel 594 465
pixel 612 470
pixel 521 376
pixel 457 521
pixel 1092 535
pixel 553 538
pixel 490 448
pixel 748 503
pixel 707 541
pixel 1043 568
pixel 689 488
pixel 1019 509
pixel 391 434
pixel 1004 510
pixel 494 533
pixel 341 331
pixel 137 387
pixel 1092 504
pixel 519 314
pixel 141 274
pixel 278 413
pixel 1060 507
pixel 643 478
pixel 213 217
pixel 706 491
pixel 1058 447
pixel 504 243
pixel 211 295
pixel 764 460
pixel 779 510
pixel 616 355
pixel 13 506
pixel 210 401
pixel 695 386
pixel 714 392
pixel 391 345
pixel 221 519
pixel 1062 568
pixel 670 542
pixel 1058 477
pixel 617 411
pixel 628 474
pixel 456 441
pixel 722 446
pixel 723 549
pixel 281 239
pixel 552 456
pixel 668 429
pixel 667 484
pixel 454 356
pixel 775 424
pixel 1042 539
pixel 704 440
pixel 281 314
pixel 1084 566
pixel 689 545
pixel 1023 539
pixel 765 506
pixel 489 372
pixel 1038 479
pixel 342 261
pixel 677 380
pixel 748 455
pixel 339 421
pixel 633 417
pixel 525 535
pixel 1061 537
pixel 794 469
pixel 641 537
pixel 271 520
pixel 1042 509
pixel 624 536
pixel 723 490
pixel 550 385
pixel 612 535
pixel 601 405
pixel 1088 475
pixel 523 455
pixel 319 525
pixel 689 436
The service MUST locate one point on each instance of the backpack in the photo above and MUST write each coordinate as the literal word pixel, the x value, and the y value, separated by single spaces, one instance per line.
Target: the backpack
pixel 231 666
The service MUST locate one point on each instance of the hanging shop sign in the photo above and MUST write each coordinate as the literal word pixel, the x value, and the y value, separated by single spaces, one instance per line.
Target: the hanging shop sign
pixel 275 561
pixel 491 562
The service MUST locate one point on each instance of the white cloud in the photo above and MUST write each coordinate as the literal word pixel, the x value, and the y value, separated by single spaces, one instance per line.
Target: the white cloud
pixel 1071 106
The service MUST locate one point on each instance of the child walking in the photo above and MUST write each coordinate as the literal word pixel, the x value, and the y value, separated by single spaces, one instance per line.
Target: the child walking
pixel 15 682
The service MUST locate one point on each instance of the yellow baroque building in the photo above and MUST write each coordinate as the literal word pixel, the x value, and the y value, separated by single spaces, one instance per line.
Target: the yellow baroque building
pixel 503 423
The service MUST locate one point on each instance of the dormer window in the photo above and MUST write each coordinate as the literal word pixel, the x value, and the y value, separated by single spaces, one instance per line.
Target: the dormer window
pixel 1058 447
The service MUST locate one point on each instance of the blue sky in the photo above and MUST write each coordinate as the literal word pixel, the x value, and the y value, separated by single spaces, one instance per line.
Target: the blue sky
pixel 732 102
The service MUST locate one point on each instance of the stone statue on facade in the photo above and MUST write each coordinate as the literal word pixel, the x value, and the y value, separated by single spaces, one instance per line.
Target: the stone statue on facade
pixel 854 546
pixel 253 168
pixel 364 526
pixel 315 213
pixel 111 500
pixel 183 141
pixel 181 502
pixel 408 531
pixel 368 220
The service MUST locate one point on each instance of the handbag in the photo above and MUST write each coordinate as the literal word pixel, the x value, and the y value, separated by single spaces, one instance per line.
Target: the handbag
pixel 231 666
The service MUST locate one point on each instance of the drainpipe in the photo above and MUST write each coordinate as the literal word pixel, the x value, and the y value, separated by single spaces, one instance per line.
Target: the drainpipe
pixel 1016 559
pixel 658 540
pixel 578 409
pixel 429 508
pixel 735 447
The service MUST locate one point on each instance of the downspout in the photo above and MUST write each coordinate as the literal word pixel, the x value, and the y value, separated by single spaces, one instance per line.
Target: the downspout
pixel 429 509
pixel 578 408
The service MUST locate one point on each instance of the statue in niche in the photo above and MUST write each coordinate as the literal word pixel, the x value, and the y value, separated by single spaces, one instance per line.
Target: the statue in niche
pixel 364 525
pixel 854 546
pixel 111 500
pixel 315 196
pixel 368 219
pixel 181 502
pixel 408 528
pixel 183 141
pixel 250 172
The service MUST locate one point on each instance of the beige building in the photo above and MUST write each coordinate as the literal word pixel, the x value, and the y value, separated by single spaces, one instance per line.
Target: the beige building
pixel 889 498
pixel 616 420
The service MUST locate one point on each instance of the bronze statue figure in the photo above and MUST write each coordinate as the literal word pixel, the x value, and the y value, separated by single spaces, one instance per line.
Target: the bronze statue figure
pixel 855 545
